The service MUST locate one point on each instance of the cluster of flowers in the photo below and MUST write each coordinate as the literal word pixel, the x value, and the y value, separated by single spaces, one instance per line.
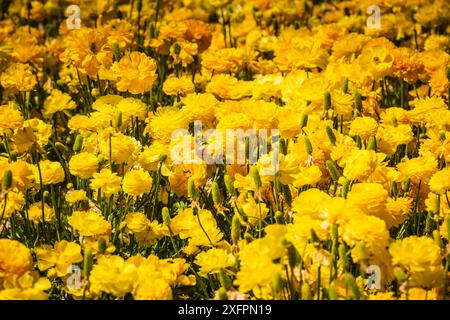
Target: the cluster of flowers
pixel 86 123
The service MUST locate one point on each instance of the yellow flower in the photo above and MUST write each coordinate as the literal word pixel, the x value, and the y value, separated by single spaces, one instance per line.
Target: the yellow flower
pixel 137 222
pixel 421 258
pixel 33 132
pixel 107 181
pixel 28 286
pixel 15 258
pixel 137 182
pixel 14 202
pixel 136 72
pixel 213 260
pixel 165 121
pixel 363 127
pixel 89 223
pixel 35 213
pixel 114 275
pixel 360 164
pixel 18 77
pixel 131 108
pixel 151 156
pixel 440 181
pixel 10 118
pixel 83 165
pixel 61 257
pixel 376 61
pixel 57 101
pixel 73 196
pixel 369 197
pixel 420 168
pixel 123 148
pixel 178 86
pixel 51 171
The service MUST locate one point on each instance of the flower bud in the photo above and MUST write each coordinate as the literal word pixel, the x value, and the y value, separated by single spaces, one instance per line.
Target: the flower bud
pixel 235 229
pixel 287 194
pixel 303 121
pixel 350 282
pixel 283 146
pixel 78 143
pixel 191 189
pixel 216 195
pixel 343 255
pixel 407 185
pixel 332 294
pixel 331 135
pixel 224 279
pixel 334 173
pixel 255 176
pixel 293 256
pixel 229 185
pixel 279 217
pixel 7 179
pixel 165 216
pixel 308 145
pixel 101 245
pixel 372 144
pixel 88 263
pixel 119 119
pixel 345 86
pixel 327 99
pixel 358 101
pixel 399 274
pixel 222 294
pixel 394 189
pixel 345 188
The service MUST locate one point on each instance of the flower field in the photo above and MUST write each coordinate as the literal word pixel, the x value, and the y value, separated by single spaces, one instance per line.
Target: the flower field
pixel 225 149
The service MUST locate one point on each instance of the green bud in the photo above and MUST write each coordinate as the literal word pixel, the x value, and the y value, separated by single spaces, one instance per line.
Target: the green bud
pixel 46 194
pixel 279 217
pixel 255 176
pixel 69 185
pixel 176 48
pixel 343 255
pixel 7 179
pixel 283 146
pixel 117 52
pixel 306 292
pixel 62 148
pixel 293 256
pixel 372 144
pixel 350 282
pixel 358 142
pixel 287 194
pixel 165 216
pixel 277 283
pixel 327 99
pixel 358 101
pixel 345 86
pixel 191 189
pixel 248 237
pixel 229 185
pixel 345 188
pixel 332 294
pixel 447 225
pixel 394 189
pixel 216 195
pixel 308 145
pixel 162 157
pixel 224 279
pixel 235 229
pixel 101 245
pixel 78 143
pixel 314 237
pixel 394 121
pixel 119 119
pixel 222 294
pixel 331 135
pixel 334 173
pixel 88 263
pixel 399 274
pixel 407 185
pixel 303 121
